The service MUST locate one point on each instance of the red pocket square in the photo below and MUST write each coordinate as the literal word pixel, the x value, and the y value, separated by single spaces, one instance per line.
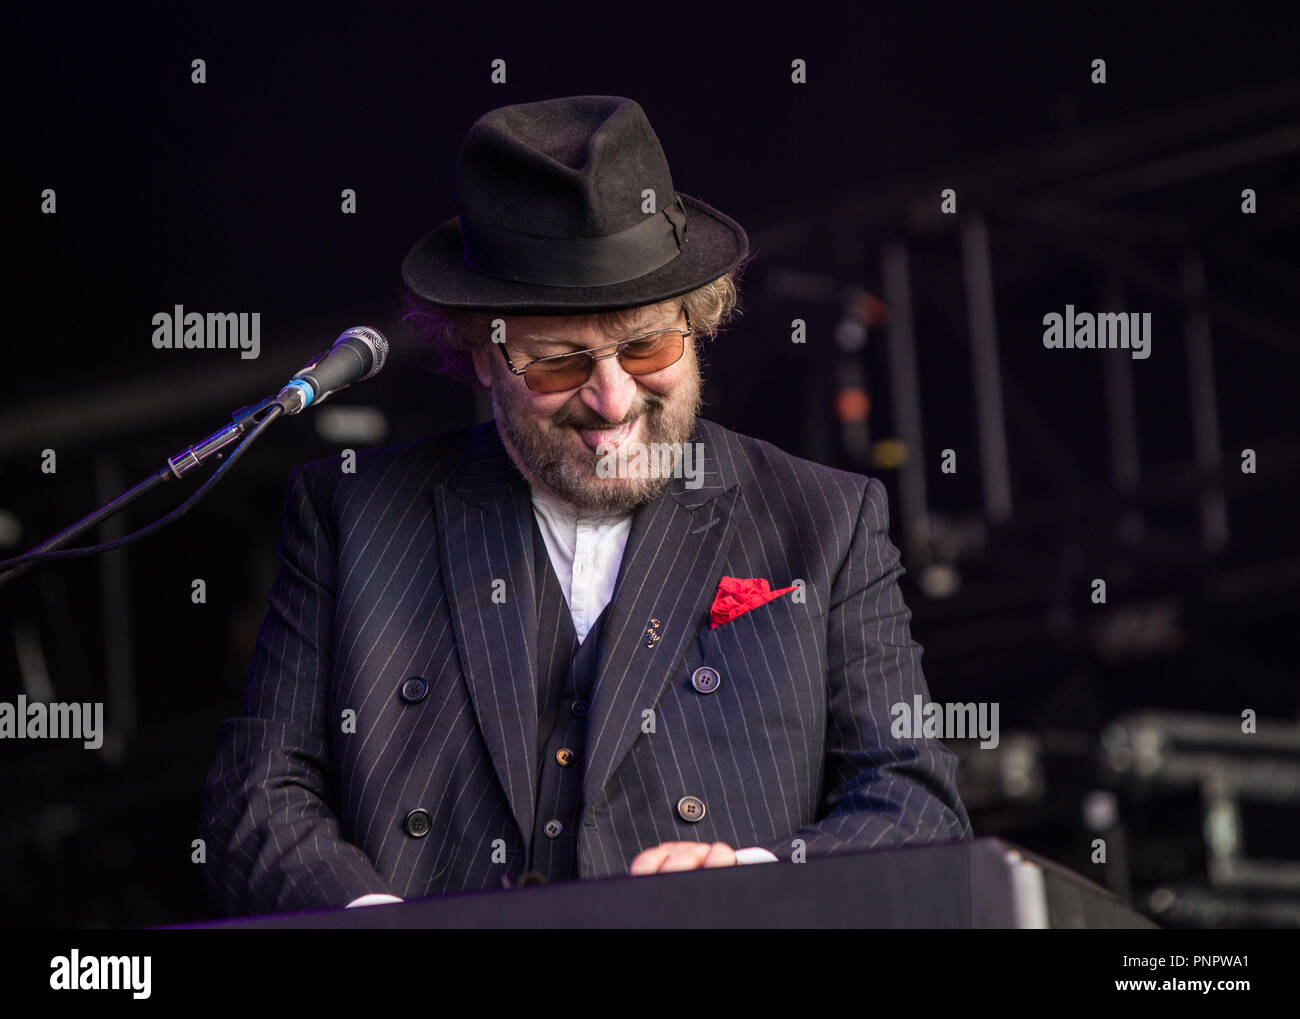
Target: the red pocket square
pixel 737 595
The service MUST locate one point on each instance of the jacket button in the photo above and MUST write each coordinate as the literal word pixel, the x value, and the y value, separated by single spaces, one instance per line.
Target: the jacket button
pixel 579 709
pixel 553 829
pixel 690 808
pixel 564 757
pixel 414 690
pixel 418 823
pixel 705 679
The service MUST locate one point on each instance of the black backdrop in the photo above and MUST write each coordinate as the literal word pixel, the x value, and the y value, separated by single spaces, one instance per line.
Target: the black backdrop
pixel 226 196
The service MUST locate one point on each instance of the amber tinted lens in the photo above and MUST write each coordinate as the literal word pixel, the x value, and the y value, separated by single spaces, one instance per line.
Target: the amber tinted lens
pixel 653 353
pixel 563 373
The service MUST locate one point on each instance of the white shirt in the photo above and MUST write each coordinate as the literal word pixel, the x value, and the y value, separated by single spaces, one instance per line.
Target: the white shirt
pixel 586 550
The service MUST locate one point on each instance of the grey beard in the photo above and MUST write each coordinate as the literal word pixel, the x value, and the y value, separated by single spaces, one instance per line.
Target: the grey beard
pixel 575 481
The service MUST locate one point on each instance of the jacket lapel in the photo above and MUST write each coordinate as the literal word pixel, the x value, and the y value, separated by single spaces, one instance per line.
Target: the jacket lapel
pixel 485 543
pixel 670 570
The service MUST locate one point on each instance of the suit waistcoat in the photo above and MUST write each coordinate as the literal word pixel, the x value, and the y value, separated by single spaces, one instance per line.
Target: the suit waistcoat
pixel 565 673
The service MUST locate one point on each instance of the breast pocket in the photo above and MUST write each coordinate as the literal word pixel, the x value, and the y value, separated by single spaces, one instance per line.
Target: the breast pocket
pixel 760 677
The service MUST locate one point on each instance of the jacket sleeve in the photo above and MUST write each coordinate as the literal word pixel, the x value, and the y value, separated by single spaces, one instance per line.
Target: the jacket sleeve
pixel 268 816
pixel 879 791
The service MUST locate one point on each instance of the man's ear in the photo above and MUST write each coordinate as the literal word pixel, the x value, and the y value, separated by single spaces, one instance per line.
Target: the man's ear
pixel 483 366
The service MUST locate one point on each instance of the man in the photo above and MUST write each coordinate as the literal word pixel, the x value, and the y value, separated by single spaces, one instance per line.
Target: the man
pixel 517 651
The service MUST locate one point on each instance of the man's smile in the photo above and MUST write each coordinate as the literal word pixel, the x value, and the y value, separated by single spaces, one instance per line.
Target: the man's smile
pixel 594 438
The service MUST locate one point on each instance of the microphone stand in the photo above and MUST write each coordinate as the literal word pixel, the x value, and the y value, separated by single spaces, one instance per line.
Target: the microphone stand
pixel 177 467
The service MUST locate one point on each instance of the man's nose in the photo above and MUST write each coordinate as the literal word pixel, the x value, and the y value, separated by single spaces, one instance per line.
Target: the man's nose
pixel 611 392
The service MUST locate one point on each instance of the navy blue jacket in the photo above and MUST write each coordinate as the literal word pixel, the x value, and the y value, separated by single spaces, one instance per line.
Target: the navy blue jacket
pixel 388 574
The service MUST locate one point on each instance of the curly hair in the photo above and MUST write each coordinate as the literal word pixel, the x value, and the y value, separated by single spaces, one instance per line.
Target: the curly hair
pixel 450 335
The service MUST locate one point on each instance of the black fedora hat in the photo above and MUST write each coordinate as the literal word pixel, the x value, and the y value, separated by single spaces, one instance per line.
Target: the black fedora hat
pixel 568 206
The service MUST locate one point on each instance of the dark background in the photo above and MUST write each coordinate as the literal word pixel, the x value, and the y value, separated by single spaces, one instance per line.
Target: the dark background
pixel 225 196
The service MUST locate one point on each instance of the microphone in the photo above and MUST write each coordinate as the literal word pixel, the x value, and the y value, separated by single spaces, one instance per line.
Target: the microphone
pixel 358 354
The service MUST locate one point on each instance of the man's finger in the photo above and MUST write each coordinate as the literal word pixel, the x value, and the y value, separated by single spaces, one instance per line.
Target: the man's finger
pixel 720 855
pixel 688 856
pixel 649 860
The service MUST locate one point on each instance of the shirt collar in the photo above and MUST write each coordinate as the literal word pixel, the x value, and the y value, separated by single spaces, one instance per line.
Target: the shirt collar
pixel 567 511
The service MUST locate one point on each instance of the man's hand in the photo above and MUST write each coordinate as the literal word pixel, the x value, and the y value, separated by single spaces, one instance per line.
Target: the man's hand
pixel 670 856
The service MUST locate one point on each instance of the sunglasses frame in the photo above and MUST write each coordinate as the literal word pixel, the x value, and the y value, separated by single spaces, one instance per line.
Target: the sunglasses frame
pixel 590 353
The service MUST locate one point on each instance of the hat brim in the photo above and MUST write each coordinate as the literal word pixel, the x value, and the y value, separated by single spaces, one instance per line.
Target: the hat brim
pixel 435 270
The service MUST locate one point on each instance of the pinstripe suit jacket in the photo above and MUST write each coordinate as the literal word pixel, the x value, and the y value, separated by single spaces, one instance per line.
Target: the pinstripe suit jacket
pixel 388 573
